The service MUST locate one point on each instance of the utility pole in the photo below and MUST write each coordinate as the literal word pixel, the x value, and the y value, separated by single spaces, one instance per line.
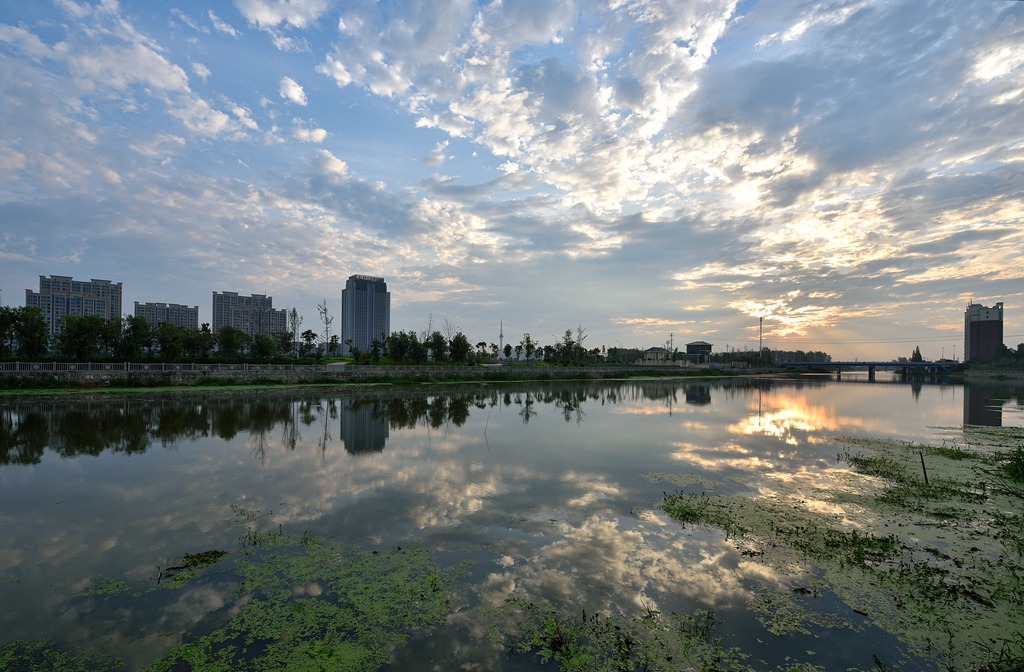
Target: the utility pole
pixel 760 332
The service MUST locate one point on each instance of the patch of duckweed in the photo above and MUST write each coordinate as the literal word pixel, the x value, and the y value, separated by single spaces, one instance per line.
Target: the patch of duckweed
pixel 701 509
pixel 23 656
pixel 1014 466
pixel 581 642
pixel 780 612
pixel 105 586
pixel 186 570
pixel 932 549
pixel 304 604
pixel 682 480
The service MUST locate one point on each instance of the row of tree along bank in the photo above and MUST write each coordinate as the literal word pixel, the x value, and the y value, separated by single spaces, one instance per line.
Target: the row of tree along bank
pixel 24 336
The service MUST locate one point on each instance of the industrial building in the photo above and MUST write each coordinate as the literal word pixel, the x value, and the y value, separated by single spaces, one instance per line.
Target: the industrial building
pixel 983 330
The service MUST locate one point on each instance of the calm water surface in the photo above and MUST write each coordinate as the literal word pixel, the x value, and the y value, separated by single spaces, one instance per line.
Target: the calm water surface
pixel 546 489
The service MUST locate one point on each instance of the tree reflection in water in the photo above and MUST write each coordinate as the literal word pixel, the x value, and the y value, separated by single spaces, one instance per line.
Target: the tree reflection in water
pixel 131 424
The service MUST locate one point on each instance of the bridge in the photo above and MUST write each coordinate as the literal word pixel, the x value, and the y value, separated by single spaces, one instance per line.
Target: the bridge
pixel 871 366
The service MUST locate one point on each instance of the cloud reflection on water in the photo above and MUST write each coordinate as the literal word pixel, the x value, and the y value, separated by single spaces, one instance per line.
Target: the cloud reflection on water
pixel 557 497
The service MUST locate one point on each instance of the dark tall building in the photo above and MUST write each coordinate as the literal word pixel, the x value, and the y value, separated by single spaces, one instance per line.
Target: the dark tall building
pixel 365 313
pixel 983 330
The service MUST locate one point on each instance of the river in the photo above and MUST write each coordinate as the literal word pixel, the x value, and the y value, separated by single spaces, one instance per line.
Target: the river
pixel 130 524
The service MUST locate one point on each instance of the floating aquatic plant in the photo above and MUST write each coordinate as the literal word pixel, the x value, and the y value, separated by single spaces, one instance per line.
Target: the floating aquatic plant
pixel 23 656
pixel 304 604
pixel 938 561
pixel 582 642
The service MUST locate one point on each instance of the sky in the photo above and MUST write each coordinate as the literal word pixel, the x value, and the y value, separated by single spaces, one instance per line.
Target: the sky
pixel 837 175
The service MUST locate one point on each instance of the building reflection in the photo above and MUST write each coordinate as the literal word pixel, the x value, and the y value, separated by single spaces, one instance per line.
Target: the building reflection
pixel 698 395
pixel 981 407
pixel 364 426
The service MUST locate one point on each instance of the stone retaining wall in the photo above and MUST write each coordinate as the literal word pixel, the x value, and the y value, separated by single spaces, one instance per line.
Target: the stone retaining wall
pixel 103 375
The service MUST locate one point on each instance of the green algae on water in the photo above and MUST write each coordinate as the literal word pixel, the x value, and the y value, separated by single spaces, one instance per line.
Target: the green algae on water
pixel 24 656
pixel 581 642
pixel 929 548
pixel 304 604
pixel 105 586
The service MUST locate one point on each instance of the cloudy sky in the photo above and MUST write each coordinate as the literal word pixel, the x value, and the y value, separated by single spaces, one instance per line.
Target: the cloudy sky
pixel 852 171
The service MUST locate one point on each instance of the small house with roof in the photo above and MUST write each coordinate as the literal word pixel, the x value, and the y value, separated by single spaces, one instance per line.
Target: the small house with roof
pixel 657 355
pixel 699 352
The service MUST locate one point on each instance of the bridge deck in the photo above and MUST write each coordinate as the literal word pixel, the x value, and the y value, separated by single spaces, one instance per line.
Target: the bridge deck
pixel 870 365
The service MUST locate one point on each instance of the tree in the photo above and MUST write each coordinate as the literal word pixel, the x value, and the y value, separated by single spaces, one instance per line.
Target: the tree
pixel 8 330
pixel 80 337
pixel 198 342
pixel 449 329
pixel 581 335
pixel 230 341
pixel 916 357
pixel 438 346
pixel 136 335
pixel 110 337
pixel 567 348
pixel 263 346
pixel 507 350
pixel 405 348
pixel 308 336
pixel 294 321
pixel 285 341
pixel 171 340
pixel 459 348
pixel 326 318
pixel 529 346
pixel 31 332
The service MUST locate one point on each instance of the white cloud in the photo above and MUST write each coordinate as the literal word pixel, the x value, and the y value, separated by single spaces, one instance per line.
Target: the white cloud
pixel 724 161
pixel 270 13
pixel 122 66
pixel 197 115
pixel 292 91
pixel 316 135
pixel 223 26
pixel 331 166
pixel 28 42
pixel 244 117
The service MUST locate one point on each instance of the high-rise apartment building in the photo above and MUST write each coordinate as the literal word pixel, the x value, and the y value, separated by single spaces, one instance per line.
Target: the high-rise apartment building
pixel 365 313
pixel 186 317
pixel 61 295
pixel 251 314
pixel 983 330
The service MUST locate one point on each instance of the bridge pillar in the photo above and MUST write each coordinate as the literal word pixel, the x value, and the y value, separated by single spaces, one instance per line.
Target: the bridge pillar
pixel 839 374
pixel 871 374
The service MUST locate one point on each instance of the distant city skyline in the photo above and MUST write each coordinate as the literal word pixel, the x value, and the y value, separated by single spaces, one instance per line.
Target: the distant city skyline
pixel 848 170
pixel 982 324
